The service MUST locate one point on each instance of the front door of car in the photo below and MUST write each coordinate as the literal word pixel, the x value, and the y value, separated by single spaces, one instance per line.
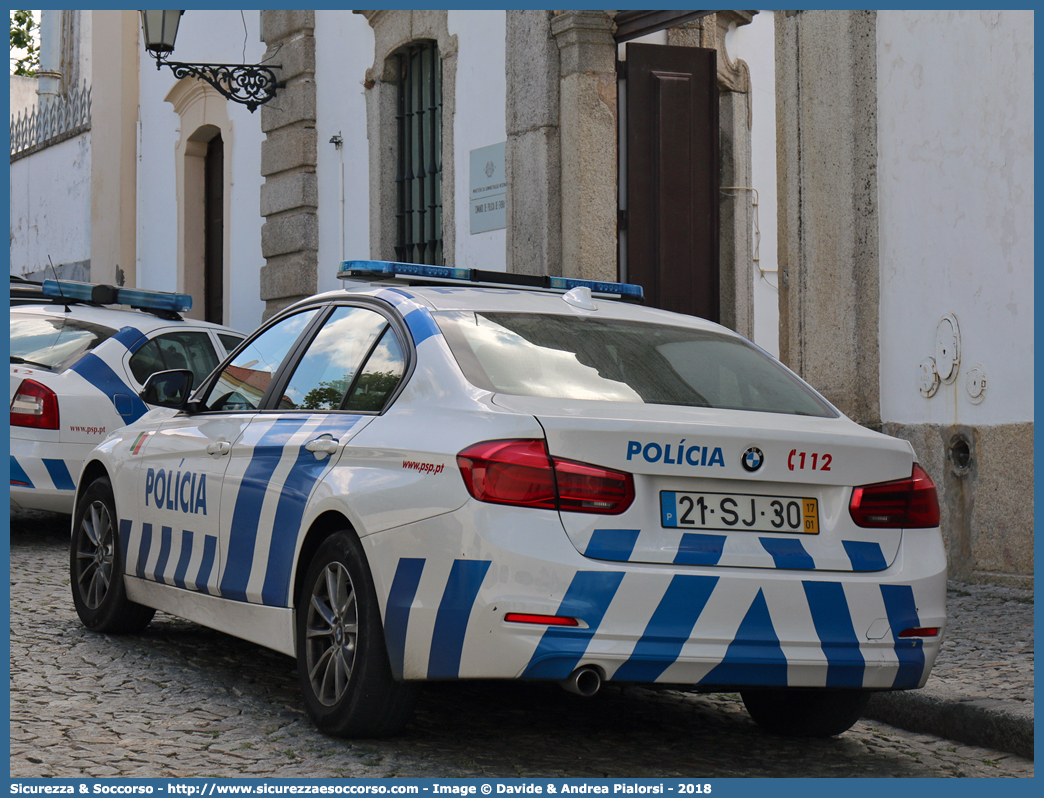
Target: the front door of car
pixel 183 462
pixel 178 496
pixel 322 399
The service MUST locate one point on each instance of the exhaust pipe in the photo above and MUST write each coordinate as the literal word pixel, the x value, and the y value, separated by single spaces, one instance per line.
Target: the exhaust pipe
pixel 583 681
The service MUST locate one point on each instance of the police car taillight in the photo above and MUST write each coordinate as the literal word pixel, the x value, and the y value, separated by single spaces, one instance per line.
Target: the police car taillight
pixel 34 405
pixel 523 474
pixel 911 503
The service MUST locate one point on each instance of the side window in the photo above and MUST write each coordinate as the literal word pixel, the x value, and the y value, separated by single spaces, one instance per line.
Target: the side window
pixel 230 342
pixel 179 350
pixel 243 382
pixel 330 364
pixel 380 375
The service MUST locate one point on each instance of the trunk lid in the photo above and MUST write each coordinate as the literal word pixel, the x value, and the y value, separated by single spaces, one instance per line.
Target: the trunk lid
pixel 696 502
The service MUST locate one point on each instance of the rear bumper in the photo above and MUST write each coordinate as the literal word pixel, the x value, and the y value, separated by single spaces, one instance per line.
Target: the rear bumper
pixel 44 474
pixel 446 584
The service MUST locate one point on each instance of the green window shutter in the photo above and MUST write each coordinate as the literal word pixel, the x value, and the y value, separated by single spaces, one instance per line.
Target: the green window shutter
pixel 419 172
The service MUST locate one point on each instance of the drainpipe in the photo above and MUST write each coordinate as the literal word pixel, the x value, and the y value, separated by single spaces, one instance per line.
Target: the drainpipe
pixel 49 73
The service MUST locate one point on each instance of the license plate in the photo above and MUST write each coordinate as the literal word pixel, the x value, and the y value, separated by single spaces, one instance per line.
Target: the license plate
pixel 739 511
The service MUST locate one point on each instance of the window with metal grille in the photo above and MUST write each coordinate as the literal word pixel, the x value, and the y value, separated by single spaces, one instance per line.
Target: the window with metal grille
pixel 419 178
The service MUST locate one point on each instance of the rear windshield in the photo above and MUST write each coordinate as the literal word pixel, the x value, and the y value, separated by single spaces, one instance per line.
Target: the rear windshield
pixel 52 341
pixel 571 357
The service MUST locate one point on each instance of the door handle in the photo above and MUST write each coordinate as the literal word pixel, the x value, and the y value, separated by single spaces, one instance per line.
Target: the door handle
pixel 321 447
pixel 219 447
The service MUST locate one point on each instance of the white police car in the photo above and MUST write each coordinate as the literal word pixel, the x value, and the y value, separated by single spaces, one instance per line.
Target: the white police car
pixel 76 369
pixel 420 480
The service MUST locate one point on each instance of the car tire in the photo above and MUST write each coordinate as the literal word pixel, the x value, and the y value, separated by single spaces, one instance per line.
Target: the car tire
pixel 805 713
pixel 342 662
pixel 96 566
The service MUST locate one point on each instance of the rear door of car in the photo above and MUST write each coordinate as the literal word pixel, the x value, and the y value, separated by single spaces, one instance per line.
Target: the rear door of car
pixel 330 388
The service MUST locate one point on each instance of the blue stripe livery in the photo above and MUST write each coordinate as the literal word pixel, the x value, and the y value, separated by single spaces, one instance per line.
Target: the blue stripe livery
pixel 205 567
pixel 168 559
pixel 125 530
pixel 419 321
pixel 143 550
pixel 422 325
pixel 164 553
pixel 837 637
pixel 865 555
pixel 902 614
pixel 451 622
pixel 397 616
pixel 97 372
pixel 754 657
pixel 246 515
pixel 18 474
pixel 788 553
pixel 668 629
pixel 183 558
pixel 561 647
pixel 305 472
pixel 59 474
pixel 131 338
pixel 698 549
pixel 612 544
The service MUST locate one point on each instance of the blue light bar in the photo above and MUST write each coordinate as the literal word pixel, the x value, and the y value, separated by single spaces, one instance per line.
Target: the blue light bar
pixel 369 269
pixel 598 287
pixel 111 295
pixel 351 268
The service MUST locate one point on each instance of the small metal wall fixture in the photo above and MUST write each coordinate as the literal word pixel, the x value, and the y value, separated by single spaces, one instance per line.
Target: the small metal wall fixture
pixel 248 84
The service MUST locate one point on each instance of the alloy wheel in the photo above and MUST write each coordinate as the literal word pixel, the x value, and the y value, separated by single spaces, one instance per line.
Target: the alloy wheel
pixel 95 554
pixel 332 634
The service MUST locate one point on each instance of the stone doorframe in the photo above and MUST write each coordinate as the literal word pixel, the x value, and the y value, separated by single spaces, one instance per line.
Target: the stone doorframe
pixel 393 30
pixel 203 114
pixel 562 163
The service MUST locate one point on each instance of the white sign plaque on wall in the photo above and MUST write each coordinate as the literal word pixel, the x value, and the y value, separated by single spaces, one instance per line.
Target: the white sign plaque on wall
pixel 488 189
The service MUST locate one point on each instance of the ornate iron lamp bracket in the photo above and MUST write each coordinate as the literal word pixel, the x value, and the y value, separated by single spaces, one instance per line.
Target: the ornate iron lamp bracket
pixel 249 85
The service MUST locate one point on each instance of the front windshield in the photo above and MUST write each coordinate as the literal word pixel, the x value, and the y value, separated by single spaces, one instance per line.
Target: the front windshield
pixel 53 341
pixel 573 357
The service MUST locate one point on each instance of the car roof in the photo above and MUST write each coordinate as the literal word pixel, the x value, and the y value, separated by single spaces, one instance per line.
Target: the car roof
pixel 117 317
pixel 514 300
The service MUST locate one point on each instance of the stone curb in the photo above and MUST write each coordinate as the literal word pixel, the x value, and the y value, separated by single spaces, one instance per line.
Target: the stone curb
pixel 974 720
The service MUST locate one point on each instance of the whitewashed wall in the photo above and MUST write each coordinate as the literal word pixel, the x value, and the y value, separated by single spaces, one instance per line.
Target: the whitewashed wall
pixel 23 94
pixel 343 52
pixel 203 37
pixel 51 206
pixel 955 177
pixel 755 44
pixel 480 121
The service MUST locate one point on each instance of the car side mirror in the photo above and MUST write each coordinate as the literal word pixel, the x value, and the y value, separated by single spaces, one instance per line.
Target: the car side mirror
pixel 168 389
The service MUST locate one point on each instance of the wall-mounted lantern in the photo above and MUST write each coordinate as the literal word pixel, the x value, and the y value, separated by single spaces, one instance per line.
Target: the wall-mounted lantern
pixel 249 84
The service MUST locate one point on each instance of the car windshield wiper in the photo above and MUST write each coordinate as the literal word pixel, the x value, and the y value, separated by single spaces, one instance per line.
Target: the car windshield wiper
pixel 23 361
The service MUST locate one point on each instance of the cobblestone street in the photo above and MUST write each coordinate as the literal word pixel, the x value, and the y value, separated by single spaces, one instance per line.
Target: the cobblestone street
pixel 181 700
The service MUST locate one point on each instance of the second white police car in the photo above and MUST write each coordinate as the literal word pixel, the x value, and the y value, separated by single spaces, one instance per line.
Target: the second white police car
pixel 80 353
pixel 412 480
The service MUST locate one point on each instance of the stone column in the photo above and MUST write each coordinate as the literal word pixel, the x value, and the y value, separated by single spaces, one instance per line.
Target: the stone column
pixel 114 148
pixel 534 157
pixel 289 195
pixel 587 119
pixel 826 127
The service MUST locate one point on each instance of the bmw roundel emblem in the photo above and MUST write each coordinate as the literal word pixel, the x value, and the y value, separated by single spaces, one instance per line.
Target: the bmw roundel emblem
pixel 752 459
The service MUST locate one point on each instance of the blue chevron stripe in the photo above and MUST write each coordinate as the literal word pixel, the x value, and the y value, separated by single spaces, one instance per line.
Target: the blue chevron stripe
pixel 668 629
pixel 561 647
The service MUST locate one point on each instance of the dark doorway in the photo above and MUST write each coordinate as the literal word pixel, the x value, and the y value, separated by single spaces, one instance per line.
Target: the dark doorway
pixel 214 231
pixel 672 177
